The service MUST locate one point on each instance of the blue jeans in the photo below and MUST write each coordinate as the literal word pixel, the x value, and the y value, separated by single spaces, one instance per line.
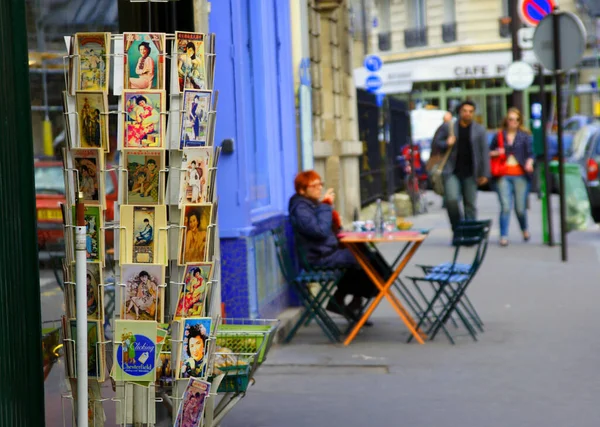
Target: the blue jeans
pixel 454 189
pixel 509 187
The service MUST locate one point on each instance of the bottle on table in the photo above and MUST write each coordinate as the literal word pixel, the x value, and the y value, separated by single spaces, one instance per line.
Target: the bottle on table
pixel 390 221
pixel 378 219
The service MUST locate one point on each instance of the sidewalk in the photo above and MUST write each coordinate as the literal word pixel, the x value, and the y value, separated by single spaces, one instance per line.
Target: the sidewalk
pixel 532 366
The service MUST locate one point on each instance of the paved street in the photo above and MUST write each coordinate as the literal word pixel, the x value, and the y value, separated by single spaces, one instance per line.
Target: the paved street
pixel 534 365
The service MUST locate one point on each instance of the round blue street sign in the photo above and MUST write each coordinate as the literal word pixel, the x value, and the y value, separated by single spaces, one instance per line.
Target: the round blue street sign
pixel 373 83
pixel 373 63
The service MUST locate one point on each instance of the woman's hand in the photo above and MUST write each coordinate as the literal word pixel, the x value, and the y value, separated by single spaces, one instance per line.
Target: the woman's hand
pixel 329 196
pixel 529 166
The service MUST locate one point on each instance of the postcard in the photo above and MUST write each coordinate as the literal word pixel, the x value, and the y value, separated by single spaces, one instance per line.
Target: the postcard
pixel 193 292
pixel 143 294
pixel 95 348
pixel 96 415
pixel 95 293
pixel 191 407
pixel 144 58
pixel 143 121
pixel 93 50
pixel 92 125
pixel 94 237
pixel 143 237
pixel 193 357
pixel 145 185
pixel 135 350
pixel 195 108
pixel 195 166
pixel 191 69
pixel 194 238
pixel 88 164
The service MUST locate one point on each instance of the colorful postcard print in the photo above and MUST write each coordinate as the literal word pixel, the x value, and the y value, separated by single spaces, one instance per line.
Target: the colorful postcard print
pixel 194 181
pixel 194 238
pixel 95 348
pixel 192 406
pixel 96 415
pixel 92 120
pixel 94 61
pixel 95 306
pixel 196 105
pixel 143 125
pixel 191 68
pixel 192 296
pixel 94 238
pixel 145 186
pixel 135 350
pixel 143 236
pixel 88 163
pixel 195 335
pixel 144 60
pixel 142 297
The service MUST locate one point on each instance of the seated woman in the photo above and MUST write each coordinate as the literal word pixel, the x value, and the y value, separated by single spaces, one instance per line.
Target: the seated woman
pixel 312 218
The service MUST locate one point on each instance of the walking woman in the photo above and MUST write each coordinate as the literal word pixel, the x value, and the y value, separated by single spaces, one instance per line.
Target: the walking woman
pixel 512 166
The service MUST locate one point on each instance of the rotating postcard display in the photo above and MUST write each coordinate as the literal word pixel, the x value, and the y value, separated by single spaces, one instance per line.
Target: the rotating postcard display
pixel 152 254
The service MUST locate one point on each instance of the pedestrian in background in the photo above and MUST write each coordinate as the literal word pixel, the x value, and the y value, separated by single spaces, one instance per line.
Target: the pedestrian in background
pixel 436 155
pixel 468 164
pixel 512 151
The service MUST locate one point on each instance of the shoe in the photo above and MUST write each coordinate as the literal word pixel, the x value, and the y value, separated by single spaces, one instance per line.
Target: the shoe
pixel 526 236
pixel 503 242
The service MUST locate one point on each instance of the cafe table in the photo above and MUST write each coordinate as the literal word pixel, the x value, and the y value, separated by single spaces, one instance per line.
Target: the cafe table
pixel 408 242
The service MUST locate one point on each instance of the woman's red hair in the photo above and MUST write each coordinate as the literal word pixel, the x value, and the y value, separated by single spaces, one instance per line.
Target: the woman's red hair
pixel 303 180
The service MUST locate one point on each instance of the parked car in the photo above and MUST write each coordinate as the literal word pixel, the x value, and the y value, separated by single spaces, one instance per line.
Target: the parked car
pixel 49 195
pixel 587 156
pixel 570 127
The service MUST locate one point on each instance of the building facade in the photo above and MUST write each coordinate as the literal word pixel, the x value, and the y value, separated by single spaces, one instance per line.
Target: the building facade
pixel 440 52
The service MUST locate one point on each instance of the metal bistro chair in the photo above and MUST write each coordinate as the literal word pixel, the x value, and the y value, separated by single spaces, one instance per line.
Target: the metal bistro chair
pixel 299 280
pixel 450 281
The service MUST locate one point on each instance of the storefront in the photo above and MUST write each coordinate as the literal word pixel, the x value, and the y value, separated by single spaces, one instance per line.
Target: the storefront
pixel 446 81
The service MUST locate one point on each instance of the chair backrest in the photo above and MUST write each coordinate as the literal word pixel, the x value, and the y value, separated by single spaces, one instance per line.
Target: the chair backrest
pixel 284 258
pixel 469 234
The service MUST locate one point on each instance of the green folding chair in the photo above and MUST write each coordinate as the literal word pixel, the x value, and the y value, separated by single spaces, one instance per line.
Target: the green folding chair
pixel 299 280
pixel 450 281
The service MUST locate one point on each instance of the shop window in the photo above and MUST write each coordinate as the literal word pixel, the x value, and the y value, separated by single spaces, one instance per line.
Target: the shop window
pixel 495 111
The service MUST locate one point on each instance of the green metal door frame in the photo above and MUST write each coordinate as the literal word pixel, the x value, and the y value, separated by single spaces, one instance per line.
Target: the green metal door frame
pixel 21 370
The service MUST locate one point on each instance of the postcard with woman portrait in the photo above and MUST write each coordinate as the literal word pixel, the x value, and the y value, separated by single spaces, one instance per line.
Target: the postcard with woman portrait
pixel 144 56
pixel 143 123
pixel 193 357
pixel 195 106
pixel 194 237
pixel 94 236
pixel 192 294
pixel 96 415
pixel 135 350
pixel 142 297
pixel 191 69
pixel 195 165
pixel 145 184
pixel 92 52
pixel 143 236
pixel 95 348
pixel 95 293
pixel 88 168
pixel 92 129
pixel 191 407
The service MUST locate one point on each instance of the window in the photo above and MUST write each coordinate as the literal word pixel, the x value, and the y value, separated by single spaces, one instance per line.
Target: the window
pixel 385 25
pixel 416 13
pixel 597 143
pixel 505 8
pixel 449 11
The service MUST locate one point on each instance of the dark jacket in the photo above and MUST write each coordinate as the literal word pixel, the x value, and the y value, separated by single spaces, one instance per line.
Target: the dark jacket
pixel 481 152
pixel 521 147
pixel 312 224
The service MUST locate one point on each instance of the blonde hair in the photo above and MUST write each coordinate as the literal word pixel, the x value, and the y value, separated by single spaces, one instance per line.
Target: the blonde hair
pixel 516 111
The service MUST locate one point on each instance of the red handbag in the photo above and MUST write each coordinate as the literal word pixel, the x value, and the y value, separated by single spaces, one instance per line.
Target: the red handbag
pixel 498 163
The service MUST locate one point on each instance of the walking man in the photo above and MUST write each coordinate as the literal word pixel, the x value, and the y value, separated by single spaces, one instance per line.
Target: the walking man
pixel 468 165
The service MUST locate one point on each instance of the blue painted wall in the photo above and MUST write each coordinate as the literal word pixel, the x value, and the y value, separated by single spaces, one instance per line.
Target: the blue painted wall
pixel 256 109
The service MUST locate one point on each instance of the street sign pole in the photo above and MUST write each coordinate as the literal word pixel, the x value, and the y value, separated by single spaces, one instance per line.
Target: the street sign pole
pixel 559 134
pixel 547 191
